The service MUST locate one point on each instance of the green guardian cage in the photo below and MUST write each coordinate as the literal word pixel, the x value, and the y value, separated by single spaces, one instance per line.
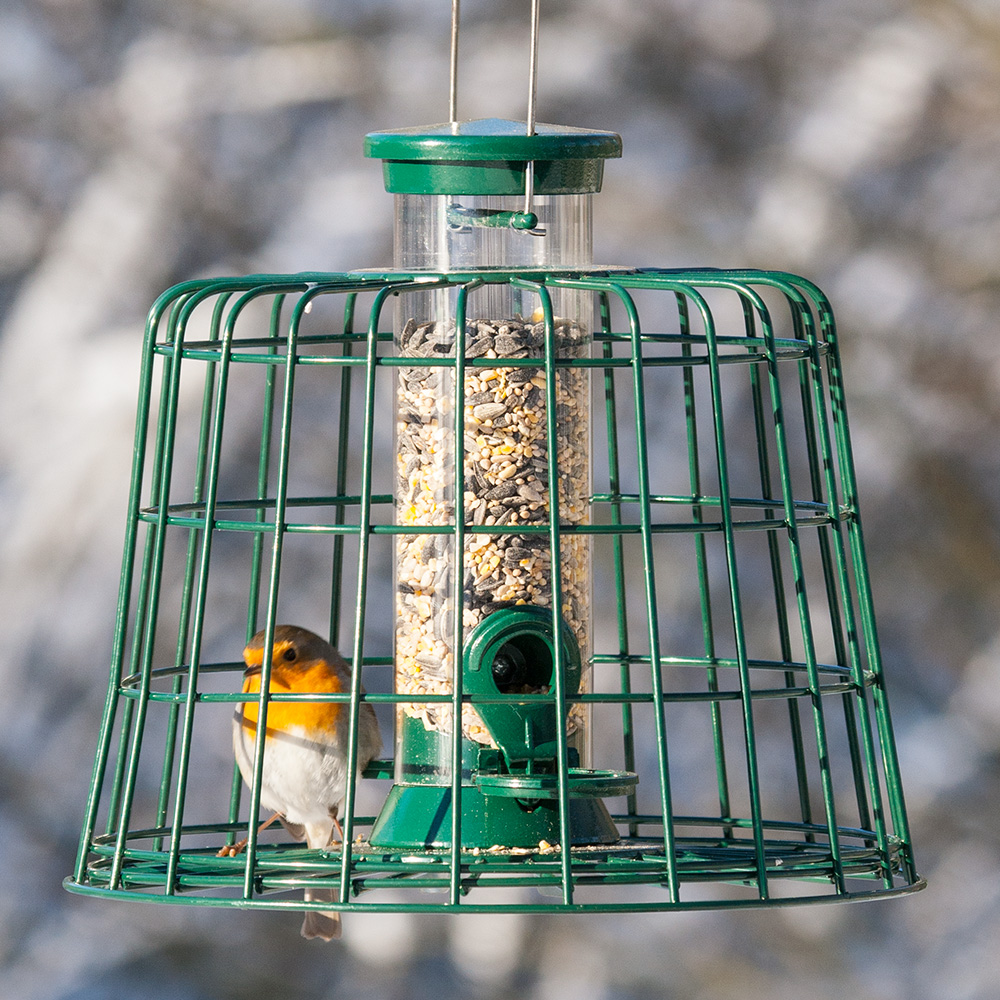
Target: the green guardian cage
pixel 587 537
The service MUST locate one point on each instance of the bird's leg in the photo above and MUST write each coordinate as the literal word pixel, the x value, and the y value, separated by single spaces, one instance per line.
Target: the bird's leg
pixel 231 850
pixel 336 826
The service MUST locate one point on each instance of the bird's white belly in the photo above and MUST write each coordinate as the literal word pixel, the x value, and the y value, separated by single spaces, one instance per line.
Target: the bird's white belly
pixel 302 779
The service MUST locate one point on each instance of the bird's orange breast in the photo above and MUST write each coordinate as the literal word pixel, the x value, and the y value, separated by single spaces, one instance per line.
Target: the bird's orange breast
pixel 312 716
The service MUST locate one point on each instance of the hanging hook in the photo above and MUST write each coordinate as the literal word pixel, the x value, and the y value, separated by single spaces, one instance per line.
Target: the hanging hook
pixel 526 220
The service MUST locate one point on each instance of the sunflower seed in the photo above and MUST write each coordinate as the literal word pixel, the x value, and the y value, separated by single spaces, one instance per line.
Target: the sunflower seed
pixel 487 411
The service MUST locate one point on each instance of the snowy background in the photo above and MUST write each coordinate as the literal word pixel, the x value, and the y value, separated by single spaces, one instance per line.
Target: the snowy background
pixel 856 142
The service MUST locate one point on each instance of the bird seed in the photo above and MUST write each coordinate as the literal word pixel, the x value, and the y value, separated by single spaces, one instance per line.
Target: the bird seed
pixel 505 463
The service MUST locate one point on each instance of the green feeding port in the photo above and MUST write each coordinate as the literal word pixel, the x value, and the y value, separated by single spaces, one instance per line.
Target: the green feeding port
pixel 511 652
pixel 587 538
pixel 509 794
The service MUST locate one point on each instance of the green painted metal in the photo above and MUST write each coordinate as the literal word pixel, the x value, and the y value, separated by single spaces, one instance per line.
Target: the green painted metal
pixel 742 741
pixel 488 157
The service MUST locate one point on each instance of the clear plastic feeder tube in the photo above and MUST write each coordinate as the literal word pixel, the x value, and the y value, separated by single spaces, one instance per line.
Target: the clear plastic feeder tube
pixel 506 450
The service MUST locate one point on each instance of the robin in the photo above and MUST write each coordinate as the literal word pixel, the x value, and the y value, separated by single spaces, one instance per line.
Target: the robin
pixel 305 748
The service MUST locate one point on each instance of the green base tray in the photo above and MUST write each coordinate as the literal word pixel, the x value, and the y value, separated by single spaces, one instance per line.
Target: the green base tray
pixel 420 816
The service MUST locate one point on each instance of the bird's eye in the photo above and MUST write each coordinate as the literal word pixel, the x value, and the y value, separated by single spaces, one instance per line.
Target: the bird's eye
pixel 289 654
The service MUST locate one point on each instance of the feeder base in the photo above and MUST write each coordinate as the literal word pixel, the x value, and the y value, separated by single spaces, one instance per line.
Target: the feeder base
pixel 420 816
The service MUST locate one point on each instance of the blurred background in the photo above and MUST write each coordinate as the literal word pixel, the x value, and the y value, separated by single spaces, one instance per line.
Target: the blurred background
pixel 856 142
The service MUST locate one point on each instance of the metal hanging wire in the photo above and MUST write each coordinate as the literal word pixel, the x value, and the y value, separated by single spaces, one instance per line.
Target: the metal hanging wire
pixel 529 167
pixel 530 121
pixel 453 83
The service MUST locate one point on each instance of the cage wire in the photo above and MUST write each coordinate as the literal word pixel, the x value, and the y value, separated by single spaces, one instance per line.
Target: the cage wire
pixel 739 734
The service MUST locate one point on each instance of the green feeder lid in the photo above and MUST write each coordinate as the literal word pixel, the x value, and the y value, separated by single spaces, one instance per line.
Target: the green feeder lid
pixel 488 156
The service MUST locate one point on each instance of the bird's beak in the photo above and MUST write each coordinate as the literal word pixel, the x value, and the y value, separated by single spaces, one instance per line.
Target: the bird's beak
pixel 251 667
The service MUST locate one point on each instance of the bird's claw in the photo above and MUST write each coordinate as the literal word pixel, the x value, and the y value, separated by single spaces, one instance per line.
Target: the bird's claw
pixel 231 850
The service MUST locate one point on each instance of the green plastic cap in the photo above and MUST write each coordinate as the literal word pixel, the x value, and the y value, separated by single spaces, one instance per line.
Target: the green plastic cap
pixel 489 155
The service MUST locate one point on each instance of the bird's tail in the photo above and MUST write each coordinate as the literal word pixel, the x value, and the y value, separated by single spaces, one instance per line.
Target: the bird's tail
pixel 323 924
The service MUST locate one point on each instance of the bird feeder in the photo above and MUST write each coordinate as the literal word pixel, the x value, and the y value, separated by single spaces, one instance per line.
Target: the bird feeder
pixel 476 437
pixel 588 537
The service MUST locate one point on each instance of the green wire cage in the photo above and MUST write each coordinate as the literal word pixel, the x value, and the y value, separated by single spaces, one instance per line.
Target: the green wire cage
pixel 587 537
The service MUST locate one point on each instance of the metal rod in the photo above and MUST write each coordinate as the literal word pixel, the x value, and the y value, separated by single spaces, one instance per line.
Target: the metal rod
pixel 532 67
pixel 458 597
pixel 207 480
pixel 360 604
pixel 555 580
pixel 529 167
pixel 614 483
pixel 453 89
pixel 701 561
pixel 337 570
